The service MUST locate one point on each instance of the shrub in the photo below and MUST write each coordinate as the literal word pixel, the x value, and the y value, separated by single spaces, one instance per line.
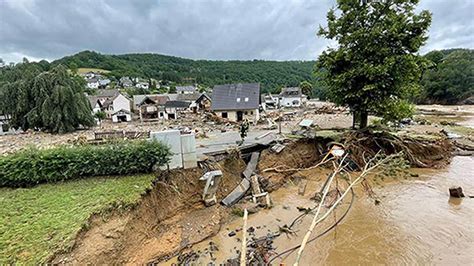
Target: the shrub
pixel 32 166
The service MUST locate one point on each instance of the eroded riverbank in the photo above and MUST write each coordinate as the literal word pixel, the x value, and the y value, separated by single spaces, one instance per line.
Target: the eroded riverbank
pixel 415 223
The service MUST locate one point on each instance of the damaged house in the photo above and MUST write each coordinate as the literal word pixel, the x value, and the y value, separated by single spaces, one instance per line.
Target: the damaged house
pixel 150 106
pixel 236 102
pixel 162 106
pixel 291 97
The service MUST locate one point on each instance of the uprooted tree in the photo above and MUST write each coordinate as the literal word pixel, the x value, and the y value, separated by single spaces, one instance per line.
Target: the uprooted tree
pixel 375 67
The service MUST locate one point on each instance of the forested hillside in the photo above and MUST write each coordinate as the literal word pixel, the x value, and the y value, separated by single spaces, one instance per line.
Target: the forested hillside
pixel 450 78
pixel 271 74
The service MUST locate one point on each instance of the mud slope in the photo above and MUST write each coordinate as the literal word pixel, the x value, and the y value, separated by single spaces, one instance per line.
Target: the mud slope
pixel 169 218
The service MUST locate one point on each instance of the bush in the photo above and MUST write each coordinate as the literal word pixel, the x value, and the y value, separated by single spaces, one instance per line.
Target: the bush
pixel 32 166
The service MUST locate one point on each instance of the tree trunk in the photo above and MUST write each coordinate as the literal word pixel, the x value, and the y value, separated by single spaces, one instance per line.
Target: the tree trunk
pixel 364 117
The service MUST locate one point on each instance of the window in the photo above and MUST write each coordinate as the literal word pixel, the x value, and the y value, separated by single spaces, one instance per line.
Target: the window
pixel 246 113
pixel 224 114
pixel 251 112
pixel 246 99
pixel 238 100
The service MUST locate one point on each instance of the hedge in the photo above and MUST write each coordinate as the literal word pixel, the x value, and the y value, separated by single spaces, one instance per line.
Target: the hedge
pixel 33 166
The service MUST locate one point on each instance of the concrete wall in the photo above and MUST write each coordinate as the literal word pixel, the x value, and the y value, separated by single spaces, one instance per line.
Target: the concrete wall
pixel 183 148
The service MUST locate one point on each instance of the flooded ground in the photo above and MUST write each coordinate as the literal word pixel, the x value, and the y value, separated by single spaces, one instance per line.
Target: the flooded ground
pixel 415 223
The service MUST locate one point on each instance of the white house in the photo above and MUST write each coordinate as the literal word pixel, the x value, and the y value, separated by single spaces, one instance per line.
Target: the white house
pixel 116 106
pixel 142 85
pixel 290 97
pixel 103 83
pixel 93 83
pixel 236 102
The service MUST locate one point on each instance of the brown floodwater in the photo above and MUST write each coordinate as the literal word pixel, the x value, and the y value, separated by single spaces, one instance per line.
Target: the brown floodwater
pixel 415 223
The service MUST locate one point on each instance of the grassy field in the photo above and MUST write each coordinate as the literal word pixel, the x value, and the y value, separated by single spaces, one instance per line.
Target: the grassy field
pixel 84 70
pixel 36 222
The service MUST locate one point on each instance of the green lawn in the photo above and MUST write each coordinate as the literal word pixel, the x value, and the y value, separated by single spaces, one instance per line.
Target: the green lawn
pixel 36 222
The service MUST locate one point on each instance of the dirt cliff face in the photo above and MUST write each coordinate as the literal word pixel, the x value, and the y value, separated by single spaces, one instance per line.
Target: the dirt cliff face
pixel 170 217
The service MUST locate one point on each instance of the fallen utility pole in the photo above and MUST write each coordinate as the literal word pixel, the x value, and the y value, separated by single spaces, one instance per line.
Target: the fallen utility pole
pixel 244 240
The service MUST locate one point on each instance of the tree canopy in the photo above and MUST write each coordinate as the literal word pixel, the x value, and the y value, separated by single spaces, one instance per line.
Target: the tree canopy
pixel 450 79
pixel 271 74
pixel 375 67
pixel 49 100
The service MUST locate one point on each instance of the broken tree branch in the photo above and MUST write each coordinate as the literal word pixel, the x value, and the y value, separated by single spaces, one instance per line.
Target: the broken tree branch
pixel 367 169
pixel 313 223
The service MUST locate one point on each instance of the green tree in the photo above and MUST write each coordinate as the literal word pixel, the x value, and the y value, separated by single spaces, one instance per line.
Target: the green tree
pixel 53 101
pixel 100 115
pixel 375 67
pixel 172 89
pixel 306 88
pixel 450 80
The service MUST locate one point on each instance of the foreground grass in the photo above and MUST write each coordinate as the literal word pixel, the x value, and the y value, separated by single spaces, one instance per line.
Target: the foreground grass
pixel 36 222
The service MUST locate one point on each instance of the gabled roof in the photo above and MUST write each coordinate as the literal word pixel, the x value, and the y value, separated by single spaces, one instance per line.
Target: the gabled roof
pixel 291 92
pixel 185 88
pixel 241 96
pixel 158 98
pixel 155 99
pixel 107 93
pixel 202 97
pixel 93 100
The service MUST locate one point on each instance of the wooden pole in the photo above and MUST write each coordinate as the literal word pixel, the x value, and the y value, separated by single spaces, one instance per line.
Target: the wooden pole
pixel 244 240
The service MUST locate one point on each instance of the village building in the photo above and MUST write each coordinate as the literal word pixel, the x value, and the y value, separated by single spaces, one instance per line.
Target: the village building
pixel 290 97
pixel 116 106
pixel 270 101
pixel 126 82
pixel 150 106
pixel 92 83
pixel 237 102
pixel 203 103
pixel 103 83
pixel 186 89
pixel 173 109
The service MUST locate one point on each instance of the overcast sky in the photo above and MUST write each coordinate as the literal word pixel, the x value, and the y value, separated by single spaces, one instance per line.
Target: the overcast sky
pixel 199 29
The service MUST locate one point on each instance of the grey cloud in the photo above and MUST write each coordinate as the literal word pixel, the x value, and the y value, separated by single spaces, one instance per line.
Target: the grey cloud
pixel 204 29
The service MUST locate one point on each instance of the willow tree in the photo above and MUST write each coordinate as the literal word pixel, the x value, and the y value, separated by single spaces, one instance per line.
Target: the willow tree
pixel 52 101
pixel 375 67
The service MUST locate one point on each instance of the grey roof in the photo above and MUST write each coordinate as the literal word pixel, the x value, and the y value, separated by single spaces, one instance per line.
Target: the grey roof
pixel 241 96
pixel 177 104
pixel 190 97
pixel 138 99
pixel 290 92
pixel 92 100
pixel 185 88
pixel 107 93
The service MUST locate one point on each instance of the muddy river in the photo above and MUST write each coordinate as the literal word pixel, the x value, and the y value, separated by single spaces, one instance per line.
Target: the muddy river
pixel 415 223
